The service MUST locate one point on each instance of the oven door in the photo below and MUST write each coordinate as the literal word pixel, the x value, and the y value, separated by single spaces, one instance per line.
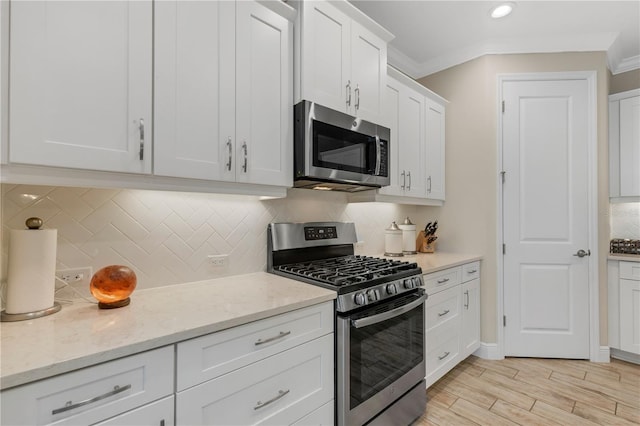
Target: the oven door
pixel 380 356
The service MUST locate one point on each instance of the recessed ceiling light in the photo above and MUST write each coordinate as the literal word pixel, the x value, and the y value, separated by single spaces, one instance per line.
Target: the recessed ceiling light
pixel 502 10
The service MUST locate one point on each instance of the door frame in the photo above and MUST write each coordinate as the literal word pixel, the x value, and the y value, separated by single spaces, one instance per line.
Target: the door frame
pixel 596 353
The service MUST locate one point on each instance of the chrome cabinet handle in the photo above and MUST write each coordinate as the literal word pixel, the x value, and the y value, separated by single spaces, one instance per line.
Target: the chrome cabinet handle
pixel 472 271
pixel 230 153
pixel 280 394
pixel 70 405
pixel 582 253
pixel 244 148
pixel 446 354
pixel 429 184
pixel 441 314
pixel 409 176
pixel 348 95
pixel 271 339
pixel 404 180
pixel 442 281
pixel 357 91
pixel 466 304
pixel 141 130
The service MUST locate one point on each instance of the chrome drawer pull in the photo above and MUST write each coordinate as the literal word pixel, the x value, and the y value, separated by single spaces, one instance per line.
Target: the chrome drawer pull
pixel 280 394
pixel 70 405
pixel 141 130
pixel 442 281
pixel 271 339
pixel 441 314
pixel 446 354
pixel 473 271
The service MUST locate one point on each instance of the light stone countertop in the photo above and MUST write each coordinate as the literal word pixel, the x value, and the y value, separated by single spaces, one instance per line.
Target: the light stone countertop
pixel 81 335
pixel 433 262
pixel 624 257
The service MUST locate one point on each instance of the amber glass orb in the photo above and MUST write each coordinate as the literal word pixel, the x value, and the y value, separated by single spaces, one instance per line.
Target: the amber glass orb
pixel 112 286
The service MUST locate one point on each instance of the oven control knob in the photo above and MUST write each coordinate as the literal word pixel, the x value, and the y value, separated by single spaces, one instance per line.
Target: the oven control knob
pixel 391 289
pixel 417 282
pixel 408 284
pixel 373 295
pixel 359 299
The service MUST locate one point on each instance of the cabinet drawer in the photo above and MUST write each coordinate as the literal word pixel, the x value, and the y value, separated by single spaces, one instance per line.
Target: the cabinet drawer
pixel 210 356
pixel 442 280
pixel 442 307
pixel 278 390
pixel 630 270
pixel 323 416
pixel 159 413
pixel 470 271
pixel 442 349
pixel 92 394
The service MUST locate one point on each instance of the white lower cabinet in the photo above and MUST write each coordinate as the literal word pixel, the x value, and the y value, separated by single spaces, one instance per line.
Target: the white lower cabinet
pixel 624 310
pixel 95 393
pixel 452 318
pixel 159 413
pixel 323 416
pixel 275 371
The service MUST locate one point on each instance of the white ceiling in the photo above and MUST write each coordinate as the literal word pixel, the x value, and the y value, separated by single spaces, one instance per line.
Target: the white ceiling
pixel 434 35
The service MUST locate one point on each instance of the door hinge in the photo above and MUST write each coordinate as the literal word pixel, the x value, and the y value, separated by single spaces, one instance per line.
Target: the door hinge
pixel 503 107
pixel 502 175
pixel 504 249
pixel 504 320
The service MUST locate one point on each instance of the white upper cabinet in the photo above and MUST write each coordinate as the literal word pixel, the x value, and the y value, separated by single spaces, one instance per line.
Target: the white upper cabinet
pixel 195 89
pixel 624 144
pixel 435 146
pixel 342 59
pixel 224 92
pixel 405 115
pixel 81 84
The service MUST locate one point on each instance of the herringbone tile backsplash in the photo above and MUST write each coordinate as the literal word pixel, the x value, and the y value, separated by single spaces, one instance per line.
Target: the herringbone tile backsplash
pixel 166 236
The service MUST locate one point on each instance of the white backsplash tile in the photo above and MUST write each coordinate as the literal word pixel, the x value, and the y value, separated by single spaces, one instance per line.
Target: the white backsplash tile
pixel 625 220
pixel 165 237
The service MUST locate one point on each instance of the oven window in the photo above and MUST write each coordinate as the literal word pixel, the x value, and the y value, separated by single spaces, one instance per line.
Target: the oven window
pixel 343 149
pixel 382 353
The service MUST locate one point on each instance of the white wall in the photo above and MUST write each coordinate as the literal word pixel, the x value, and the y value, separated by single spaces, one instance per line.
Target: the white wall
pixel 166 236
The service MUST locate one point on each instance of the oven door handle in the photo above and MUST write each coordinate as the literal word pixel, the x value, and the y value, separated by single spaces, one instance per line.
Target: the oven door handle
pixel 374 319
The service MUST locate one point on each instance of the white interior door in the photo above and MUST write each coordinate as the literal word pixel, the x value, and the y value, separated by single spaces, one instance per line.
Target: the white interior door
pixel 546 218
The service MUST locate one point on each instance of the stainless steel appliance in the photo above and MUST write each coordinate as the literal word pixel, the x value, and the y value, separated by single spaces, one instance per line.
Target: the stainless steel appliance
pixel 333 150
pixel 380 334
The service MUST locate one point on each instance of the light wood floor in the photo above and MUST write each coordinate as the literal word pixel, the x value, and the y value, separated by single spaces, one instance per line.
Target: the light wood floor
pixel 529 391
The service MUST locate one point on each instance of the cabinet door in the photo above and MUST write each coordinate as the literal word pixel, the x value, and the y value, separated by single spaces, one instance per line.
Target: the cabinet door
pixel 630 147
pixel 368 73
pixel 435 141
pixel 392 120
pixel 264 96
pixel 326 40
pixel 81 84
pixel 630 315
pixel 411 142
pixel 195 89
pixel 159 413
pixel 470 317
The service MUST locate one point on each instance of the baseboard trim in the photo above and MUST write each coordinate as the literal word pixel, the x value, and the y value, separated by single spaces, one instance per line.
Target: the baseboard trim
pixel 603 355
pixel 625 356
pixel 488 351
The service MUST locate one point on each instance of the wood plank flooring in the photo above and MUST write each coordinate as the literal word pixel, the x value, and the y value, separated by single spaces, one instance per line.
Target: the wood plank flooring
pixel 530 391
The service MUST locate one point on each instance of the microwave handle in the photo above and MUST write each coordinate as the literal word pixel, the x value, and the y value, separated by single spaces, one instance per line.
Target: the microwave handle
pixel 374 319
pixel 378 155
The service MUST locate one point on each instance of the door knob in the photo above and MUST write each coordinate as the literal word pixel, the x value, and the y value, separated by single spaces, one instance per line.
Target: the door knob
pixel 582 253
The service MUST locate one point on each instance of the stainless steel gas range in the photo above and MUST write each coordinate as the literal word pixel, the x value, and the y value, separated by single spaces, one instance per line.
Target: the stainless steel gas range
pixel 380 365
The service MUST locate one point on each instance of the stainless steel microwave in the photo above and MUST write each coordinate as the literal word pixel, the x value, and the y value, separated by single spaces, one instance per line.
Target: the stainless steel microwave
pixel 336 151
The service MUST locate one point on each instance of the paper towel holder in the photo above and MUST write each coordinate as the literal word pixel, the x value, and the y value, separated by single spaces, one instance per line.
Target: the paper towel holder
pixel 33 223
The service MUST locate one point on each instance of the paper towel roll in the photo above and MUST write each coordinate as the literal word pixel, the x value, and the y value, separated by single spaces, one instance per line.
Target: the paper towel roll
pixel 31 270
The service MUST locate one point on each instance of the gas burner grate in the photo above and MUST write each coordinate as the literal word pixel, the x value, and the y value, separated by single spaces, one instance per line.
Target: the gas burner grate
pixel 347 270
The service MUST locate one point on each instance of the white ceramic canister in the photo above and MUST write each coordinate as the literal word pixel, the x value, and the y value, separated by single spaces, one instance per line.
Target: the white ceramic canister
pixel 408 236
pixel 393 240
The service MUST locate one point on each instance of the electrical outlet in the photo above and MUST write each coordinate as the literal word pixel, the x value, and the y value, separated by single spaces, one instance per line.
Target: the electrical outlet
pixel 218 259
pixel 75 276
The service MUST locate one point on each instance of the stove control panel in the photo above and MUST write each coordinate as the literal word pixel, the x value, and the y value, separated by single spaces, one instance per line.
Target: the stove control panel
pixel 312 233
pixel 349 301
